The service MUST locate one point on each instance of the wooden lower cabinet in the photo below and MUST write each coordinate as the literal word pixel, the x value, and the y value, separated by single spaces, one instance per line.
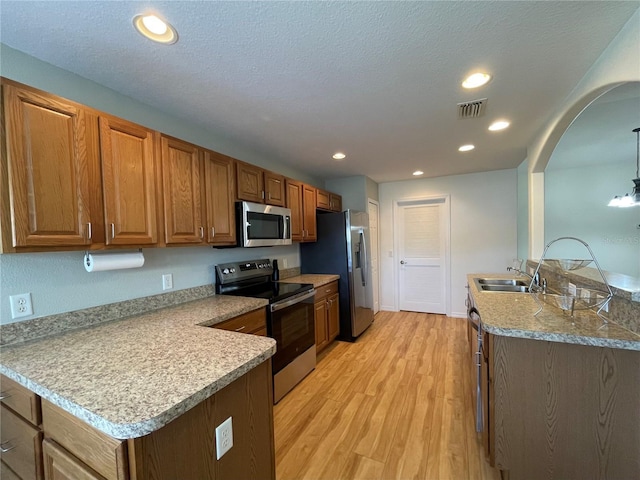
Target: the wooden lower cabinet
pixel 183 449
pixel 61 465
pixel 254 323
pixel 559 410
pixel 22 444
pixel 327 315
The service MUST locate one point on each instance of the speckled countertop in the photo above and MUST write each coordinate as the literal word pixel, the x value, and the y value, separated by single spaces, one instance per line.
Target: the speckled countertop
pixel 512 315
pixel 318 280
pixel 131 377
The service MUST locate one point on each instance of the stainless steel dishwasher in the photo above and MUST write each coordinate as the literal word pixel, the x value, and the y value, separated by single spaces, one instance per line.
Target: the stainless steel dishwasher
pixel 475 339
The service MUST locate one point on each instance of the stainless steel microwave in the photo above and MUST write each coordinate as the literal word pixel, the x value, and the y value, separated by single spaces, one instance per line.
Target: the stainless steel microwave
pixel 262 225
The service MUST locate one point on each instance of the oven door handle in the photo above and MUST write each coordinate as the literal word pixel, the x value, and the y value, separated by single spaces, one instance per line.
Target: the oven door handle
pixel 292 301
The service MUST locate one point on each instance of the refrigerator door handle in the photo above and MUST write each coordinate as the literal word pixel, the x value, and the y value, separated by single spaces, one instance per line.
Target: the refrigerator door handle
pixel 364 263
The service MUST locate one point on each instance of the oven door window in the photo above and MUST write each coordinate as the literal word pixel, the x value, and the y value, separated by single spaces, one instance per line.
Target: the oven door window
pixel 264 226
pixel 294 331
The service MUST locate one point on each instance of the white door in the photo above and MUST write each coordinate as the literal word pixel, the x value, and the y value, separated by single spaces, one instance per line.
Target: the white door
pixel 422 229
pixel 373 209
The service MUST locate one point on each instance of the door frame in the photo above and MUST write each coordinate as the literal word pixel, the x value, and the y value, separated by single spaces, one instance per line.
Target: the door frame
pixel 377 283
pixel 446 203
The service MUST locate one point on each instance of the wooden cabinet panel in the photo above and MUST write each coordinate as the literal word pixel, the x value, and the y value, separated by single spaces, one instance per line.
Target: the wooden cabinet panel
pixel 181 177
pixel 335 202
pixel 333 316
pixel 294 203
pixel 274 189
pixel 47 169
pixel 21 400
pixel 220 194
pixel 22 444
pixel 60 465
pixel 322 335
pixel 99 451
pixel 309 213
pixel 128 174
pixel 249 182
pixel 323 201
pixel 6 473
pixel 248 323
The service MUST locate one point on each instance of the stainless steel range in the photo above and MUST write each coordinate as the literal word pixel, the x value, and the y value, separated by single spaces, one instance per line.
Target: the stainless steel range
pixel 290 317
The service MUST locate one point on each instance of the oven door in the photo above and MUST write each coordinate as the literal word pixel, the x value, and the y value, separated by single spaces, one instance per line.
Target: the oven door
pixel 291 324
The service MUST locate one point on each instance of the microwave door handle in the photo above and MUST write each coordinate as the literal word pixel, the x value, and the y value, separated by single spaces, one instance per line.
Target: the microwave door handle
pixel 287 225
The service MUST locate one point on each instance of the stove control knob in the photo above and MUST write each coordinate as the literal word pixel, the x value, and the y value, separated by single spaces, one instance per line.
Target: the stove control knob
pixel 233 270
pixel 259 265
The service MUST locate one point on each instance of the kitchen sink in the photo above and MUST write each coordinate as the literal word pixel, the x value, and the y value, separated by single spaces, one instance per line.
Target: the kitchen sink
pixel 501 281
pixel 508 285
pixel 505 288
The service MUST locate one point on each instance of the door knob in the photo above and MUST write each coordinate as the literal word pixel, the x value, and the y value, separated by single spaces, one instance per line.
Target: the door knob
pixel 402 262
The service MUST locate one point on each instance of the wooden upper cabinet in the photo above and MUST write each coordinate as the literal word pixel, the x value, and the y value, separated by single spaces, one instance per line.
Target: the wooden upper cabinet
pixel 129 182
pixel 327 201
pixel 309 213
pixel 335 202
pixel 47 171
pixel 294 203
pixel 274 189
pixel 181 178
pixel 250 182
pixel 260 186
pixel 220 194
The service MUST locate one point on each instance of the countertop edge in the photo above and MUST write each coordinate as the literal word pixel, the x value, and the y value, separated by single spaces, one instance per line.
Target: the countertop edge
pixel 318 280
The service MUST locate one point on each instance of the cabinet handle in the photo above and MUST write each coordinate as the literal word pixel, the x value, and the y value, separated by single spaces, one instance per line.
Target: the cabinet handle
pixel 4 395
pixel 263 194
pixel 213 232
pixel 269 195
pixel 7 447
pixel 113 231
pixel 201 232
pixel 89 230
pixel 241 328
pixel 328 290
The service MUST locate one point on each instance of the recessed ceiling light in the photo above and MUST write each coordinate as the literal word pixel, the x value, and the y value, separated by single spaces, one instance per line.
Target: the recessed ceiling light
pixel 466 148
pixel 339 156
pixel 156 29
pixel 476 80
pixel 499 125
pixel 418 173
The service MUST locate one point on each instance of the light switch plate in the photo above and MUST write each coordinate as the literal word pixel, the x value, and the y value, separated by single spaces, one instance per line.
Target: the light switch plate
pixel 167 281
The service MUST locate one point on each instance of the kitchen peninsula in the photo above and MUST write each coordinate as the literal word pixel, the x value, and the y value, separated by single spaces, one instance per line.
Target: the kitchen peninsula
pixel 560 394
pixel 141 397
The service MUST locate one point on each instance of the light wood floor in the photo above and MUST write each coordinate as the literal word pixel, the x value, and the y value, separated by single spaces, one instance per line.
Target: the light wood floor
pixel 394 405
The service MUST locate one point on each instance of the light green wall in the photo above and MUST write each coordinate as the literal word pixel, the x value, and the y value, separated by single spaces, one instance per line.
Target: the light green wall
pixel 57 281
pixel 523 211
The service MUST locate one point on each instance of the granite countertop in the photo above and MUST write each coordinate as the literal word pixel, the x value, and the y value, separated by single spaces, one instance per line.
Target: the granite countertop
pixel 131 377
pixel 318 280
pixel 512 315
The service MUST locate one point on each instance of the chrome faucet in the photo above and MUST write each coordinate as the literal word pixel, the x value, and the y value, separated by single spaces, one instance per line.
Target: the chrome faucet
pixel 536 278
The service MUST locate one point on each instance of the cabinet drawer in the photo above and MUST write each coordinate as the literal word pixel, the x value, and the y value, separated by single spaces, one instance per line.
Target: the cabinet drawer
pixel 60 465
pixel 20 399
pixel 24 445
pixel 326 290
pixel 104 454
pixel 250 322
pixel 6 473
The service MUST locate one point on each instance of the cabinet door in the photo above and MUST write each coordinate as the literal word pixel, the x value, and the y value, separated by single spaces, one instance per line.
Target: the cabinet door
pixel 21 445
pixel 128 179
pixel 323 201
pixel 294 202
pixel 274 189
pixel 183 215
pixel 333 316
pixel 220 193
pixel 322 336
pixel 47 169
pixel 250 182
pixel 60 465
pixel 309 215
pixel 335 202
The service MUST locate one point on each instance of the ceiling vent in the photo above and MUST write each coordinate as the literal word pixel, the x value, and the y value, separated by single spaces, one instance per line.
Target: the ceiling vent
pixel 472 109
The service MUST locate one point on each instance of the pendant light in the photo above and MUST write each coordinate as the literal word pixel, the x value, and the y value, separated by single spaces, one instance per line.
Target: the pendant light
pixel 633 199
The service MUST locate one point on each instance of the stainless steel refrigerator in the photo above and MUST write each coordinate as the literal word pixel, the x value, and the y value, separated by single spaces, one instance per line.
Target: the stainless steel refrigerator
pixel 343 248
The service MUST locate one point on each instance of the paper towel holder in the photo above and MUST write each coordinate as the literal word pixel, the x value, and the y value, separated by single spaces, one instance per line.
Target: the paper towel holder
pixel 88 252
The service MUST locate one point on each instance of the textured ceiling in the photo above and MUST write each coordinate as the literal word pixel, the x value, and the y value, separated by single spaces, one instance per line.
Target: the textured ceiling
pixel 298 81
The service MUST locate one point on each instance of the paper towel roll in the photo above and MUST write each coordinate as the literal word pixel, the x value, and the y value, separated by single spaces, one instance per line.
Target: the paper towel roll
pixel 112 261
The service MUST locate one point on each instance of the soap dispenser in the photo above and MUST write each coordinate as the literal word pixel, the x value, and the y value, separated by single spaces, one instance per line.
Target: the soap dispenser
pixel 275 276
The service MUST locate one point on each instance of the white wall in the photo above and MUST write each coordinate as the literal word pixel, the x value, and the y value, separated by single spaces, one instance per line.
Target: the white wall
pixel 523 212
pixel 483 227
pixel 619 63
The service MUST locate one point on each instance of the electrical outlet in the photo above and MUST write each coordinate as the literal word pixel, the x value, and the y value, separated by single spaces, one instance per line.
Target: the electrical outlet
pixel 571 289
pixel 167 281
pixel 21 305
pixel 224 438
